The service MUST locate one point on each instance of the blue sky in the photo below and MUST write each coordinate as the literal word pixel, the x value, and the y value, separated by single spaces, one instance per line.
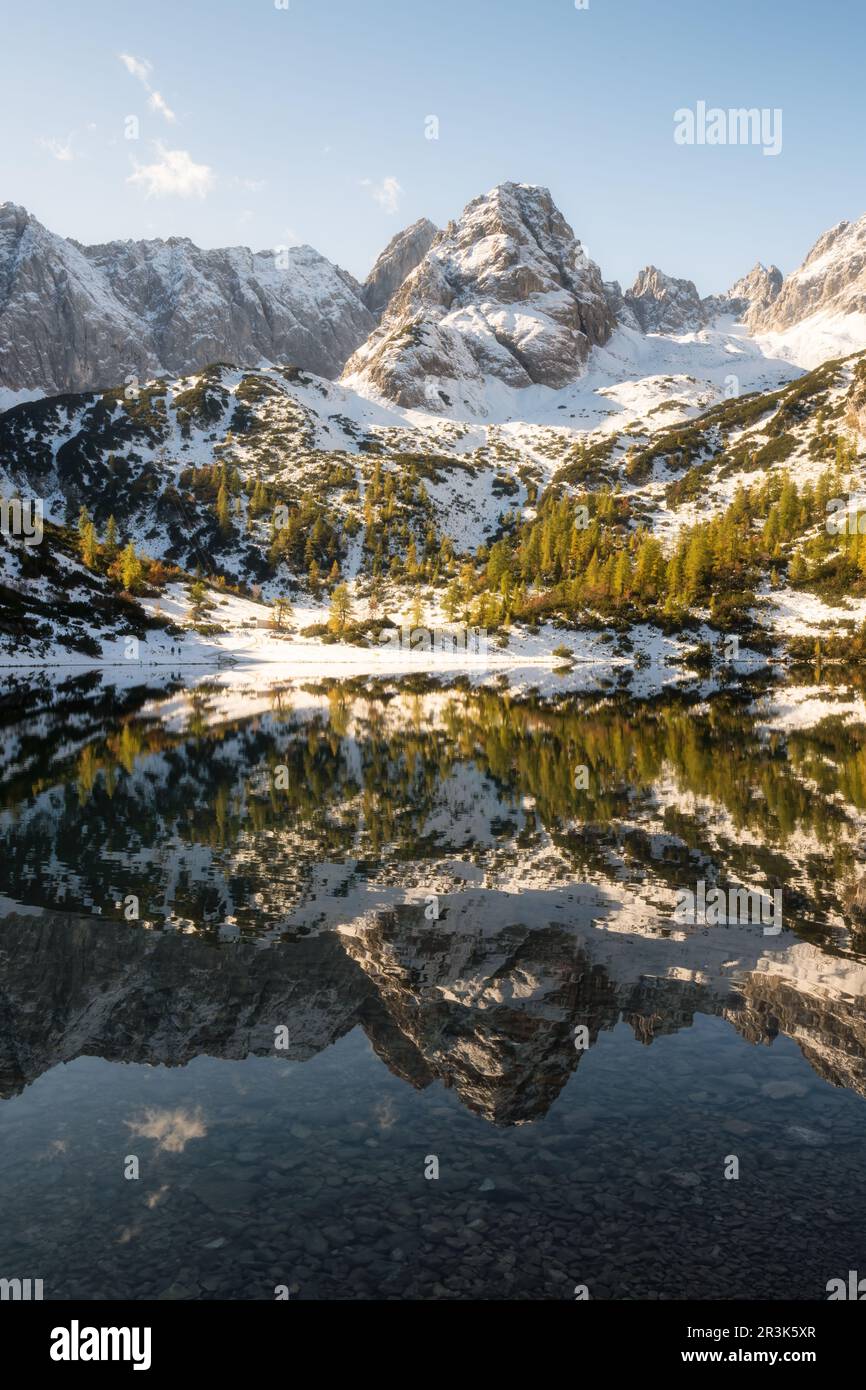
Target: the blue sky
pixel 272 126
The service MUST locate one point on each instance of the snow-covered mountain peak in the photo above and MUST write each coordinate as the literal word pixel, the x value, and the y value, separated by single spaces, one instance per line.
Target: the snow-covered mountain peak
pixel 756 290
pixel 10 211
pixel 663 304
pixel 831 282
pixel 454 321
pixel 505 292
pixel 512 236
pixel 75 317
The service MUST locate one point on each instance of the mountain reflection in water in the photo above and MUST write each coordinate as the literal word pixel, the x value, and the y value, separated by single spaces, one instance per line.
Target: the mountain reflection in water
pixel 329 875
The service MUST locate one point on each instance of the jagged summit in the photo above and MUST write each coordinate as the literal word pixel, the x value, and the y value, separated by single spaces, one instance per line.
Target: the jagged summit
pixel 505 291
pixel 398 260
pixel 504 296
pixel 757 290
pixel 831 281
pixel 76 317
pixel 660 303
pixel 663 304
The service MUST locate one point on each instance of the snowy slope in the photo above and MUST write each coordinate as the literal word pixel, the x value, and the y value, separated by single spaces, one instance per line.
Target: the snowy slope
pixel 831 283
pixel 506 307
pixel 505 292
pixel 76 317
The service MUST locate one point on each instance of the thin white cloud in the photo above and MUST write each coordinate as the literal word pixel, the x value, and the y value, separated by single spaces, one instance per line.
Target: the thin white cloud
pixel 250 185
pixel 60 149
pixel 172 1130
pixel 158 103
pixel 141 69
pixel 174 174
pixel 387 193
pixel 138 67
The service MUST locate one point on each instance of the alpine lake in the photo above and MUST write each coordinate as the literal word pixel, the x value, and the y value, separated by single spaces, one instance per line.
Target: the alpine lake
pixel 377 990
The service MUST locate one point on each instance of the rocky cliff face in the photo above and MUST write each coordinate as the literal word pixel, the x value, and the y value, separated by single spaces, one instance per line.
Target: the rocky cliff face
pixel 754 293
pixel 398 260
pixel 505 292
pixel 831 280
pixel 78 317
pixel 662 304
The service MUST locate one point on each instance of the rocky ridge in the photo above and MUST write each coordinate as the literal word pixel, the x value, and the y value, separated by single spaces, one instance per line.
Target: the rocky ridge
pixel 399 259
pixel 506 291
pixel 76 317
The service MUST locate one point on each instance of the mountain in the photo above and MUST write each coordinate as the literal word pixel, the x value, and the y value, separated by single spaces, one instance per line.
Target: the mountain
pixel 755 292
pixel 76 317
pixel 275 479
pixel 562 917
pixel 505 292
pixel 831 282
pixel 828 288
pixel 536 381
pixel 662 304
pixel 399 259
pixel 506 1051
pixel 504 297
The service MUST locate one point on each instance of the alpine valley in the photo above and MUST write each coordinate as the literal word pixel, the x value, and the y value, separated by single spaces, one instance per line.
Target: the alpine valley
pixel 385 666
pixel 252 457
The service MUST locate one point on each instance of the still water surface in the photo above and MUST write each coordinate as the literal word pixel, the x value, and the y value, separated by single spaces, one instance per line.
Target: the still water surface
pixel 292 949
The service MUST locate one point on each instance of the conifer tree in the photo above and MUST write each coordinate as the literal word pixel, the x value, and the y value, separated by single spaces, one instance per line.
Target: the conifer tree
pixel 452 600
pixel 341 610
pixel 283 611
pixel 89 545
pixel 416 616
pixel 131 569
pixel 222 510
pixel 197 598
